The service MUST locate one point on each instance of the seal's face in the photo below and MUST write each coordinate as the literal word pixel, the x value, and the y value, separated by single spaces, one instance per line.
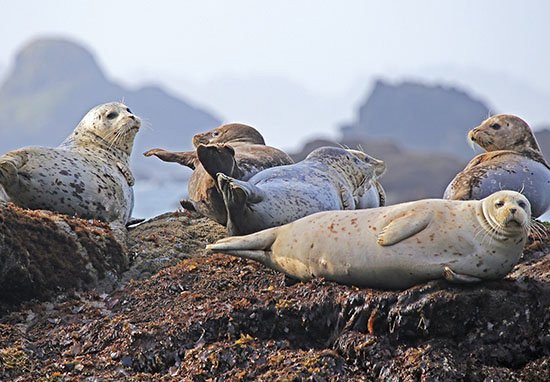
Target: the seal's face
pixel 233 132
pixel 507 212
pixel 378 165
pixel 114 123
pixel 502 132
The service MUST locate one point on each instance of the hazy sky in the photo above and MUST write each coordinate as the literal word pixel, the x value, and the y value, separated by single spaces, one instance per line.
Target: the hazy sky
pixel 325 45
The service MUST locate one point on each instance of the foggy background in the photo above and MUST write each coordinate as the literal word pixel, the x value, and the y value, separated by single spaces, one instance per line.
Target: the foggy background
pixel 407 79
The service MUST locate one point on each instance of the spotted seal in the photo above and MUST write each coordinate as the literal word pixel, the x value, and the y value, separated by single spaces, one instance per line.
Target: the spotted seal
pixel 398 246
pixel 233 149
pixel 88 175
pixel 329 178
pixel 514 161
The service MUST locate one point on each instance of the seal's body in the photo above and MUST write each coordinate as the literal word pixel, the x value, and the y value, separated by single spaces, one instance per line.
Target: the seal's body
pixel 397 246
pixel 514 161
pixel 328 179
pixel 88 175
pixel 235 150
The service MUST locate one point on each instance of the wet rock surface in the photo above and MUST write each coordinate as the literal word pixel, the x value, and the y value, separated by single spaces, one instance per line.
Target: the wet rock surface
pixel 43 254
pixel 214 317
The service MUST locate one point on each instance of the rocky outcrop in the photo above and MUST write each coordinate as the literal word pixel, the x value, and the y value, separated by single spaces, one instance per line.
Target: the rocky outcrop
pixel 419 117
pixel 43 254
pixel 217 317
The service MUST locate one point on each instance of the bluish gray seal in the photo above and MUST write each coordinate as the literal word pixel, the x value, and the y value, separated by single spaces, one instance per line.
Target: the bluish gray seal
pixel 329 178
pixel 88 175
pixel 514 161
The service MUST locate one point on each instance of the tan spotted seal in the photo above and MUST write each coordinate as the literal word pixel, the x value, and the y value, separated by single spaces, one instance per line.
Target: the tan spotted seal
pixel 329 178
pixel 234 149
pixel 514 161
pixel 398 246
pixel 88 175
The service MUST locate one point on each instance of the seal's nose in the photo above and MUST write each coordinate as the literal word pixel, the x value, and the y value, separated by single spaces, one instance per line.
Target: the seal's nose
pixel 513 210
pixel 132 117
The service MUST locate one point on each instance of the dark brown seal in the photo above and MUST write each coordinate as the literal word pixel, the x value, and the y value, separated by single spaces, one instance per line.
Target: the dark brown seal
pixel 233 149
pixel 514 161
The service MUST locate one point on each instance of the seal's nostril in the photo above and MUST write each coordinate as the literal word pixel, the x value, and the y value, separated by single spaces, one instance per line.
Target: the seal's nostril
pixel 132 117
pixel 513 210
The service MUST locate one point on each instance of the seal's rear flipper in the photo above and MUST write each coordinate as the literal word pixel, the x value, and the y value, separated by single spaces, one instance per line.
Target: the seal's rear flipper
pixel 403 227
pixel 219 159
pixel 256 246
pixel 185 158
pixel 238 192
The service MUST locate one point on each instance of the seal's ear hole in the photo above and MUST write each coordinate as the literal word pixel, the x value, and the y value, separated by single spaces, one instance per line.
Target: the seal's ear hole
pixel 499 204
pixel 112 115
pixel 495 126
pixel 522 205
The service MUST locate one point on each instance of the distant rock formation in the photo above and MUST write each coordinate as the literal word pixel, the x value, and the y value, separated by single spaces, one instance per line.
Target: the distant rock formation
pixel 418 117
pixel 53 83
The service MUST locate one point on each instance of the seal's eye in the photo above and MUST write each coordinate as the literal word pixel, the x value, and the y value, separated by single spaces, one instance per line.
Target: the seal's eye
pixel 522 205
pixel 112 115
pixel 215 133
pixel 495 126
pixel 499 204
pixel 128 110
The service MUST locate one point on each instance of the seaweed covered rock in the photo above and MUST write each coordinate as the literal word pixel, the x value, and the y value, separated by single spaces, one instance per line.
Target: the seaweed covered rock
pixel 221 318
pixel 43 253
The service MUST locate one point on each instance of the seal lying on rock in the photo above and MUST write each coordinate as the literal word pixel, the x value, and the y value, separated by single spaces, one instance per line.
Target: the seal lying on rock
pixel 397 246
pixel 514 161
pixel 88 175
pixel 330 178
pixel 234 149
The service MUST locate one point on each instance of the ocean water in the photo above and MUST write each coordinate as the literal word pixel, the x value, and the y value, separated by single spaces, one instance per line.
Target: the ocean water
pixel 152 198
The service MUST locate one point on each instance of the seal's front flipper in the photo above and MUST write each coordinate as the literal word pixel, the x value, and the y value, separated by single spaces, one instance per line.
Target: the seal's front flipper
pixel 457 278
pixel 381 194
pixel 403 227
pixel 219 159
pixel 185 158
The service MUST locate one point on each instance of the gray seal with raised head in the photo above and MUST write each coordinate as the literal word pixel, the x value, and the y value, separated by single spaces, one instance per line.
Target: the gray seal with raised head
pixel 233 149
pixel 513 161
pixel 398 246
pixel 329 178
pixel 88 175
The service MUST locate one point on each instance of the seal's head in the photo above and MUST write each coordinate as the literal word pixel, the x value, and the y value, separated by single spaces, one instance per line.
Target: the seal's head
pixel 112 125
pixel 231 132
pixel 378 165
pixel 503 132
pixel 508 213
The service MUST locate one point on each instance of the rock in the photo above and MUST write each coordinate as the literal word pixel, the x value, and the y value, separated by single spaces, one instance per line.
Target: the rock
pixel 222 318
pixel 43 254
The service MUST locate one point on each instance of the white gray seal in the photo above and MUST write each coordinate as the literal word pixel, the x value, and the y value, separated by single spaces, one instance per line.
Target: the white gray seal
pixel 330 178
pixel 398 246
pixel 88 175
pixel 514 161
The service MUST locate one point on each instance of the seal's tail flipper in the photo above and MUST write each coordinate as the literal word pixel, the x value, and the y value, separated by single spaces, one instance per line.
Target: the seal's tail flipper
pixel 219 159
pixel 256 246
pixel 238 192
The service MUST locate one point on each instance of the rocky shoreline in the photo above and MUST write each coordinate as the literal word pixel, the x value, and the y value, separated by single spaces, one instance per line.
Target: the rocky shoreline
pixel 168 311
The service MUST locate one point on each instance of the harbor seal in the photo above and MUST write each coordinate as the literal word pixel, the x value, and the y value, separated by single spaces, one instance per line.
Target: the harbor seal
pixel 234 149
pixel 514 161
pixel 329 178
pixel 398 246
pixel 88 175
